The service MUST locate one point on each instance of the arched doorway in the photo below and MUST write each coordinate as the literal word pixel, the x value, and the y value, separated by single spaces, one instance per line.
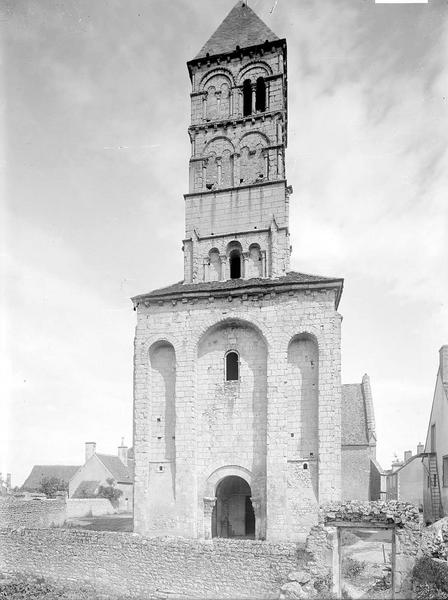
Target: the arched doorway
pixel 233 514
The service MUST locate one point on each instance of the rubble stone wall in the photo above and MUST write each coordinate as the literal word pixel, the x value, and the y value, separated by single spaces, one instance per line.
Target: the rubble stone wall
pixel 128 564
pixel 39 513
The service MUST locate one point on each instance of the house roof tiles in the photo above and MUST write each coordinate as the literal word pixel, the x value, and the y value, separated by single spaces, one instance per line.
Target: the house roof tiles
pixel 39 472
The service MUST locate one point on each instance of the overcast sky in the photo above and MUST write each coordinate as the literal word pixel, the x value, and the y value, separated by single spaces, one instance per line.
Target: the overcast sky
pixel 96 162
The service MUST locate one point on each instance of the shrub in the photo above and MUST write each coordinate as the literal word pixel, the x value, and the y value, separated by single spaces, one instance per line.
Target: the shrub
pixel 436 543
pixel 351 567
pixel 431 579
pixel 50 485
pixel 110 492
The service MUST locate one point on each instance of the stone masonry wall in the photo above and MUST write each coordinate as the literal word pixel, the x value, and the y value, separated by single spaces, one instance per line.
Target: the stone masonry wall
pixel 127 564
pixel 278 318
pixel 41 513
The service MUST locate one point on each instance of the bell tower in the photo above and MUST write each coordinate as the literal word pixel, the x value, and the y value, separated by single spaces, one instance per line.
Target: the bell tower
pixel 236 210
pixel 237 392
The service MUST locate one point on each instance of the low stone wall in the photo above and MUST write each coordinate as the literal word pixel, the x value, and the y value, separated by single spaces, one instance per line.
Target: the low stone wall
pixel 89 507
pixel 128 564
pixel 40 513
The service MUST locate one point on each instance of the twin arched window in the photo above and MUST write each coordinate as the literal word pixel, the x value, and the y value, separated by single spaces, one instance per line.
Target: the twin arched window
pixel 260 96
pixel 232 366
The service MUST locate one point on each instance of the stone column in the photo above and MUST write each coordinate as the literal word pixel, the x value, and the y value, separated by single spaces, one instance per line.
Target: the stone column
pixel 268 85
pixel 254 97
pixel 186 476
pixel 276 445
pixel 204 106
pixel 245 265
pixel 330 412
pixel 209 504
pixel 263 263
pixel 259 525
pixel 224 267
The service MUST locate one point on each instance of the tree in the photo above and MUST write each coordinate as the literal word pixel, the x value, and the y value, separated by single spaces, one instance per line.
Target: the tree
pixel 110 492
pixel 50 485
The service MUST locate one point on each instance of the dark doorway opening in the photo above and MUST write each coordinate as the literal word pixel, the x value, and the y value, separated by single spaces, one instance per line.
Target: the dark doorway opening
pixel 260 97
pixel 235 265
pixel 233 515
pixel 247 98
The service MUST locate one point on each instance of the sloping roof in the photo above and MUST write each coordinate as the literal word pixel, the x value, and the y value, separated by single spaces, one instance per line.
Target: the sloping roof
pixel 236 284
pixel 119 471
pixel 353 417
pixel 38 472
pixel 86 489
pixel 242 27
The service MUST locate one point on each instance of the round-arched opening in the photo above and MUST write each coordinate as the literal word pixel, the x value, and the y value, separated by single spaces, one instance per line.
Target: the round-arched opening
pixel 235 264
pixel 233 514
pixel 247 97
pixel 232 366
pixel 260 97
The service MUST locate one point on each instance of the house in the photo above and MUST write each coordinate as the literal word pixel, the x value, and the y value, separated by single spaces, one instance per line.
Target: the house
pixel 361 473
pixel 99 469
pixel 39 472
pixel 242 428
pixel 405 478
pixel 435 485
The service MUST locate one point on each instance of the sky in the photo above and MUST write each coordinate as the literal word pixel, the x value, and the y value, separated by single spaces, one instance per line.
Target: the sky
pixel 95 164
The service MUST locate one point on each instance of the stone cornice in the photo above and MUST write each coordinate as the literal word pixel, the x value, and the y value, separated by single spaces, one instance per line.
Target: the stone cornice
pixel 269 288
pixel 239 187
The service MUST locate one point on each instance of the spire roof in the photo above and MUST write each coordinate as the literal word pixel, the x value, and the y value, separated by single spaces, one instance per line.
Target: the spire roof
pixel 242 27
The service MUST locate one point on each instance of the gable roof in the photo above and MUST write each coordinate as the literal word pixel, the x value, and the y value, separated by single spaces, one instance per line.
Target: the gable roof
pixel 190 289
pixel 38 472
pixel 242 27
pixel 118 470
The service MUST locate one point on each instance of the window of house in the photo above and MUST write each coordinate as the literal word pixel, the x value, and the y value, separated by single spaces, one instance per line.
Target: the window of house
pixel 445 470
pixel 232 366
pixel 260 95
pixel 235 264
pixel 247 97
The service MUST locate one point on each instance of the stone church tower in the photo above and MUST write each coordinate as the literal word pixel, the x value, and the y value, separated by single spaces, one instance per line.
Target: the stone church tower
pixel 237 397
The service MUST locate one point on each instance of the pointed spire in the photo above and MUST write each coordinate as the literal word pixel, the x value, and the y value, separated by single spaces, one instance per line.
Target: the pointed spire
pixel 242 27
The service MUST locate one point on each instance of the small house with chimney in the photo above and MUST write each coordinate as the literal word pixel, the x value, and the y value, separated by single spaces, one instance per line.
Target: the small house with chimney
pixel 99 469
pixel 405 478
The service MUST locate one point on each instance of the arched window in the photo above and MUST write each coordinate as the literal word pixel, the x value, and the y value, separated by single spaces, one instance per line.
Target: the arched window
pixel 235 264
pixel 260 95
pixel 232 366
pixel 247 97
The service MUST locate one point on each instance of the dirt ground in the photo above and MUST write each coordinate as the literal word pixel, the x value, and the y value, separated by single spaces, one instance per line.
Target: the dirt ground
pixel 366 564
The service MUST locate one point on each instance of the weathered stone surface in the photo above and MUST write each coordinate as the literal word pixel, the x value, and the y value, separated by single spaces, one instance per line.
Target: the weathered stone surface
pixel 300 576
pixel 292 590
pixel 142 567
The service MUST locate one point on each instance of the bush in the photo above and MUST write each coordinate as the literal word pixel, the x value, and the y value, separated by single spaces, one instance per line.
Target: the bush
pixel 431 579
pixel 351 567
pixel 436 543
pixel 110 492
pixel 50 485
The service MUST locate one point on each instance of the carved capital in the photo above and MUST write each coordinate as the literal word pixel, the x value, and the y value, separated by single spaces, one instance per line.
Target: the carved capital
pixel 209 504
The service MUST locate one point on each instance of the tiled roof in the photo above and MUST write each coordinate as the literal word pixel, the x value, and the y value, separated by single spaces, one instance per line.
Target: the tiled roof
pixel 237 284
pixel 242 27
pixel 353 417
pixel 119 471
pixel 38 472
pixel 86 489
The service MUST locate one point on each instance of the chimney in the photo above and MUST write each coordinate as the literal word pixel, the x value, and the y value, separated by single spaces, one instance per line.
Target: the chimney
pixel 123 453
pixel 90 449
pixel 407 455
pixel 420 448
pixel 443 368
